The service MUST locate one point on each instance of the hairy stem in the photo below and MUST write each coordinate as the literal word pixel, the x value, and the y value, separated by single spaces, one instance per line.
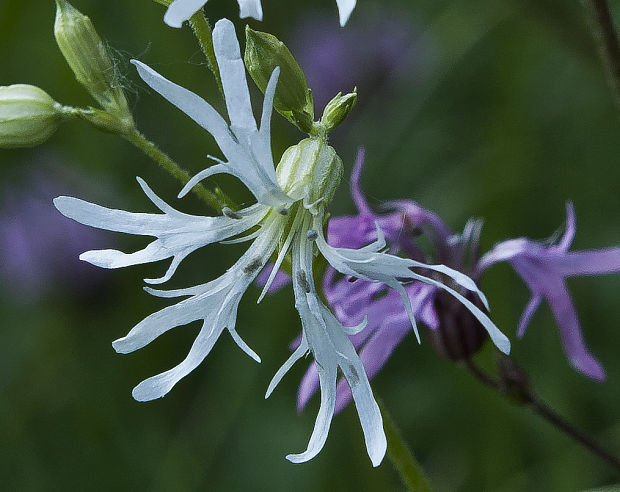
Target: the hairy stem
pixel 151 150
pixel 410 471
pixel 529 398
pixel 604 33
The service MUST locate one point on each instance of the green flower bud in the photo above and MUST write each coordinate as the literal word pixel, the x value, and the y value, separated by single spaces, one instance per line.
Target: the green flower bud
pixel 312 166
pixel 263 53
pixel 88 58
pixel 338 109
pixel 28 116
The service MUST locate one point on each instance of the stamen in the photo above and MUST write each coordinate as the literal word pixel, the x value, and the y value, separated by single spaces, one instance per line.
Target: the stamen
pixel 283 211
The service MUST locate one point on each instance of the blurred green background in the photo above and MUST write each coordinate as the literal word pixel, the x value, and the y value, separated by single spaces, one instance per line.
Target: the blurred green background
pixel 496 109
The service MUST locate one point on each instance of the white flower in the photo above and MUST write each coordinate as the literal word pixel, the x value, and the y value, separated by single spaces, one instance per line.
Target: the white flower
pixel 181 10
pixel 289 219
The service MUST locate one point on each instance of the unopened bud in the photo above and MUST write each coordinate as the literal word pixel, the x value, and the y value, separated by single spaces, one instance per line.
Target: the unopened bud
pixel 88 58
pixel 263 53
pixel 311 170
pixel 28 116
pixel 459 334
pixel 338 109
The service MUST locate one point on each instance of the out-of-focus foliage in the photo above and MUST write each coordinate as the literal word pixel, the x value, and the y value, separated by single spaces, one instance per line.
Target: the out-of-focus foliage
pixel 497 109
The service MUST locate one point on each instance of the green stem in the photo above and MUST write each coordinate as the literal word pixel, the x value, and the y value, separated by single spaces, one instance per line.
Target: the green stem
pixel 410 471
pixel 150 149
pixel 604 33
pixel 202 30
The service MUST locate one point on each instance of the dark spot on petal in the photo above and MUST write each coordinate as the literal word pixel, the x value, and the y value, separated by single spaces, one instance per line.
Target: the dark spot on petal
pixel 355 377
pixel 254 265
pixel 303 281
pixel 231 214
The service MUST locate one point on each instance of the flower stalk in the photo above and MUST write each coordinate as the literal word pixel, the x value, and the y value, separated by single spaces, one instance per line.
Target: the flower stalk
pixel 527 397
pixel 605 35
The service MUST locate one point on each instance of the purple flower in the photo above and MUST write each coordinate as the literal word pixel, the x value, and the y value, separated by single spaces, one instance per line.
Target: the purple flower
pixel 543 268
pixel 388 323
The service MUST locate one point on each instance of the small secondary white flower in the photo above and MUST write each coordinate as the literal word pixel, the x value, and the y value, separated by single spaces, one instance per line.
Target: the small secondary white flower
pixel 181 10
pixel 288 218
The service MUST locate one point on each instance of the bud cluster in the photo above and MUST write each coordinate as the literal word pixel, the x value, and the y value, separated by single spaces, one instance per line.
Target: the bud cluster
pixel 293 99
pixel 29 116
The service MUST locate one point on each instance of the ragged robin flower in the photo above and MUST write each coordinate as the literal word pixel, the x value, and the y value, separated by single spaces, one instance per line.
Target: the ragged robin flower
pixel 543 266
pixel 287 220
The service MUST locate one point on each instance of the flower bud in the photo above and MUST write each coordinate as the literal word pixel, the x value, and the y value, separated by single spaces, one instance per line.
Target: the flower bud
pixel 459 334
pixel 310 166
pixel 88 58
pixel 338 109
pixel 263 53
pixel 28 116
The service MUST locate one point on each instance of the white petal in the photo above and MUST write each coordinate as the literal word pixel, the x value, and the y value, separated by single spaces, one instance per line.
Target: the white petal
pixel 221 168
pixel 109 219
pixel 242 345
pixel 332 348
pixel 327 380
pixel 248 154
pixel 232 71
pixel 499 339
pixel 299 352
pixel 111 258
pixel 192 105
pixel 354 330
pixel 181 10
pixel 250 8
pixel 176 261
pixel 262 140
pixel 460 278
pixel 158 386
pixel 345 7
pixel 160 322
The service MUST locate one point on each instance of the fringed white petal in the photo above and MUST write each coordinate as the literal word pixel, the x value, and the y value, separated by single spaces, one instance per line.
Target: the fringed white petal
pixel 328 341
pixel 369 264
pixel 215 303
pixel 248 153
pixel 157 386
pixel 177 234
